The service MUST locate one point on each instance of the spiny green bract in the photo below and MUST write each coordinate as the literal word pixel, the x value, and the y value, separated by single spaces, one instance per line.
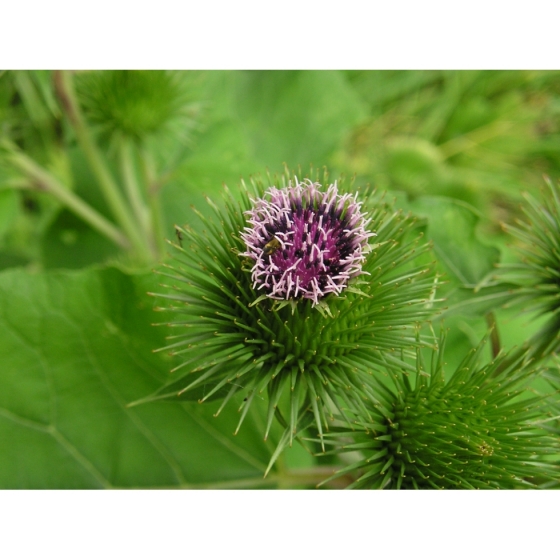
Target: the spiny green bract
pixel 480 429
pixel 305 359
pixel 537 276
pixel 534 282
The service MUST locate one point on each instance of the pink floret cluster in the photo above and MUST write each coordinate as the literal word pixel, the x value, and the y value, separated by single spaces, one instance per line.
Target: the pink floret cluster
pixel 305 242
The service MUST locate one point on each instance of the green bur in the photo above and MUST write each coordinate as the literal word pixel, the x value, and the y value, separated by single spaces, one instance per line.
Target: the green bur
pixel 138 103
pixel 482 428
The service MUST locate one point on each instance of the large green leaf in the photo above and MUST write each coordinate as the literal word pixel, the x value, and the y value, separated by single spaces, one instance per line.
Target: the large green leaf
pixel 72 243
pixel 76 348
pixel 297 117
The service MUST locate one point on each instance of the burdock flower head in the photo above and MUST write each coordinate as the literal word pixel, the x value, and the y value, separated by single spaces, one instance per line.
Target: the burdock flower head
pixel 294 295
pixel 306 243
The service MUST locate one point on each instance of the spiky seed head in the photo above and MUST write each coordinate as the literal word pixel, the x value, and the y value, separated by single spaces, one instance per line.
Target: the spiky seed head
pixel 480 429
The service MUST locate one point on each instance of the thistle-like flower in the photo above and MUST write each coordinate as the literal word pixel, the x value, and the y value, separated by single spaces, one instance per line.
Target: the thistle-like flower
pixel 480 429
pixel 285 296
pixel 305 243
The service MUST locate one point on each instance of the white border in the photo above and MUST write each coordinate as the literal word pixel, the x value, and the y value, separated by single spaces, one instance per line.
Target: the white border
pixel 295 34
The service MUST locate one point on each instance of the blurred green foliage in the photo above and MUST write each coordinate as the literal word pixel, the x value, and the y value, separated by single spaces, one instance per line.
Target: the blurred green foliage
pixel 457 148
pixel 477 136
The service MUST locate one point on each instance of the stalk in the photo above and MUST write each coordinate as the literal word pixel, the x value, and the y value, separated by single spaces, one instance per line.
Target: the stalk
pixel 110 190
pixel 48 183
pixel 134 193
pixel 152 192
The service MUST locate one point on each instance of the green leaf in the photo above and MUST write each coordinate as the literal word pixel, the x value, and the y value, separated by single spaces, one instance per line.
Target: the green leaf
pixel 297 117
pixel 71 243
pixel 77 348
pixel 452 227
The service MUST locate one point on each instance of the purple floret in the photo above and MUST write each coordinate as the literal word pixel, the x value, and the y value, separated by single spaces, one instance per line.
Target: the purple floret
pixel 305 243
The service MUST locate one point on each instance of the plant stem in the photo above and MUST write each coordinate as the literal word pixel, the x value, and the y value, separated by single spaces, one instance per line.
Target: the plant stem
pixel 152 193
pixel 111 192
pixel 133 192
pixel 48 183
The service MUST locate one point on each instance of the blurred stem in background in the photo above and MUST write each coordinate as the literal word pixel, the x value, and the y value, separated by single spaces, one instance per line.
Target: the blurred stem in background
pixel 113 119
pixel 114 139
pixel 123 212
pixel 41 179
pixel 153 188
